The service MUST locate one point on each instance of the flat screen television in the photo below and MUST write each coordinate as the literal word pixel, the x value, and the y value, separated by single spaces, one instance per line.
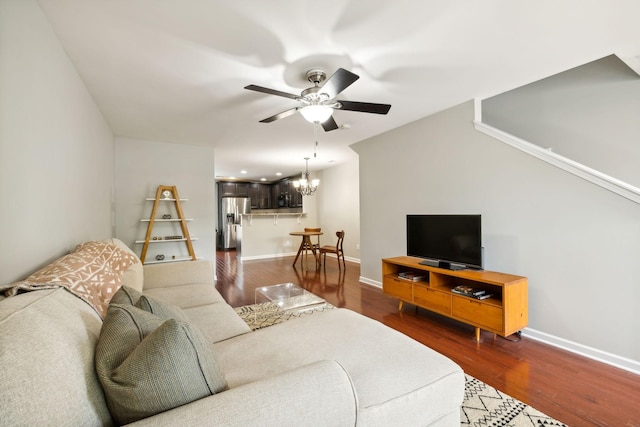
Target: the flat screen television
pixel 446 241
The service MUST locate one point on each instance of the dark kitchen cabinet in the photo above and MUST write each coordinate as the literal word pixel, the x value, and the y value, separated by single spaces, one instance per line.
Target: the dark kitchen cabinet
pixel 233 189
pixel 285 195
pixel 260 195
pixel 242 189
pixel 281 194
pixel 227 189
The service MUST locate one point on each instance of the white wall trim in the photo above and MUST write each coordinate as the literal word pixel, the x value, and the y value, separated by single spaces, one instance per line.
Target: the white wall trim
pixel 287 254
pixel 267 256
pixel 583 350
pixel 570 346
pixel 370 282
pixel 632 62
pixel 603 180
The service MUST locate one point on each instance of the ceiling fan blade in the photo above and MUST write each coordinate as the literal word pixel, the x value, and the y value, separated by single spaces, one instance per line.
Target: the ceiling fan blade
pixel 279 116
pixel 271 91
pixel 329 124
pixel 339 81
pixel 364 107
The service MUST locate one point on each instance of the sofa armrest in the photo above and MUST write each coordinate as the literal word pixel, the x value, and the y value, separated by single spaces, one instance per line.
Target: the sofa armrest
pixel 178 273
pixel 320 393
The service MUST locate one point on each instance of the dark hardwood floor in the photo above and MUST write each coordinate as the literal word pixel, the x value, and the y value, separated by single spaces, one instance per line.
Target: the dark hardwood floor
pixel 573 389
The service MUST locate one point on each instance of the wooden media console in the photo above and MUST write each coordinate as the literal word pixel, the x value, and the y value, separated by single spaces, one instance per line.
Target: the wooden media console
pixel 504 313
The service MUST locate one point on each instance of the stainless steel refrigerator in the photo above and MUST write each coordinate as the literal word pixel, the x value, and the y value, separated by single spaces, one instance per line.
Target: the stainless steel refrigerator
pixel 230 220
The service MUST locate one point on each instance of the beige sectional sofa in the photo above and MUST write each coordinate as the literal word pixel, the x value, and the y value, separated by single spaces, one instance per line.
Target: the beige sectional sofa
pixel 334 367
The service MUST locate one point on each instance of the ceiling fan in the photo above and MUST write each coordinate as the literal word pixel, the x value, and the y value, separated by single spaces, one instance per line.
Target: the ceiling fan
pixel 318 102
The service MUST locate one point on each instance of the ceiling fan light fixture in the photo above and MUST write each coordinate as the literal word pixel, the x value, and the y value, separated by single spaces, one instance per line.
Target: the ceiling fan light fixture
pixel 316 113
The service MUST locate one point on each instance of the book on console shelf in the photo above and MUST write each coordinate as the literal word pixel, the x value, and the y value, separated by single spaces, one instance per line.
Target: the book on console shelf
pixel 471 292
pixel 414 277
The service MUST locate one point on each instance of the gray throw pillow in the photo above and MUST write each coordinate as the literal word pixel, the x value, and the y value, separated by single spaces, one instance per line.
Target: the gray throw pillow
pixel 161 309
pixel 126 295
pixel 148 365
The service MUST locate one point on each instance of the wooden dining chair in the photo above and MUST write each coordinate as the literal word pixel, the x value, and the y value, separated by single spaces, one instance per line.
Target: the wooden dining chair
pixel 337 249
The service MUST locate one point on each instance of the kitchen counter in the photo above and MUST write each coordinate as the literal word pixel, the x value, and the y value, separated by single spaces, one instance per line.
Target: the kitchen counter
pixel 273 213
pixel 279 211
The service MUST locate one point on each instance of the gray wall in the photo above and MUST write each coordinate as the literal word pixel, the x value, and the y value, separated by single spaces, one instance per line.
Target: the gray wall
pixel 577 243
pixel 339 207
pixel 141 166
pixel 590 114
pixel 56 150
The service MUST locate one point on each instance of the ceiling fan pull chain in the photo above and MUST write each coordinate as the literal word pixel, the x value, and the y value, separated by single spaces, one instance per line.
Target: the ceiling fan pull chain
pixel 315 137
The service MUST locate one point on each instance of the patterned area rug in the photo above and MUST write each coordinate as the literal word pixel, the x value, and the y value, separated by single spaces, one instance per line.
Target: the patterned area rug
pixel 483 405
pixel 259 316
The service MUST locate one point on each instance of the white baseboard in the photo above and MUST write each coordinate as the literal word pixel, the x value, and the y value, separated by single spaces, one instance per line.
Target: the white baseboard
pixel 268 256
pixel 370 282
pixel 624 363
pixel 583 350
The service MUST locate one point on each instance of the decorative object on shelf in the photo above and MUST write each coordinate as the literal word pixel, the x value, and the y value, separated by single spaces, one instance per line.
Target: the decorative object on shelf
pixel 159 257
pixel 412 276
pixel 166 194
pixel 166 216
pixel 172 237
pixel 304 186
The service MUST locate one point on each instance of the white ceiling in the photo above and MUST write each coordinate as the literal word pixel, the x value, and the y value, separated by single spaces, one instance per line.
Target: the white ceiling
pixel 174 71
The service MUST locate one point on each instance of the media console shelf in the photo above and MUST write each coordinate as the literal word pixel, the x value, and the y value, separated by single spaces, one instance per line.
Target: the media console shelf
pixel 504 313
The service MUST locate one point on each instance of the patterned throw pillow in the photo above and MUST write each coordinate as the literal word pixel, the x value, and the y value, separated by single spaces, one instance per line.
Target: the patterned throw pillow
pixel 148 365
pixel 92 272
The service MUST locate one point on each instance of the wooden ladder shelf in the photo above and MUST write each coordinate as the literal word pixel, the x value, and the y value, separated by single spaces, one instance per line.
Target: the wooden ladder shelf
pixel 183 222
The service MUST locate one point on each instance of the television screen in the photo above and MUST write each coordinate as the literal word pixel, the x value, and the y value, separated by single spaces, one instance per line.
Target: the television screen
pixel 452 241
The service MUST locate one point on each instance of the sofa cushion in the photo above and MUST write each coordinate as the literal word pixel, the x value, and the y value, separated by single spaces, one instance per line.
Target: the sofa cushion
pixel 47 343
pixel 148 365
pixel 183 273
pixel 395 377
pixel 217 321
pixel 186 296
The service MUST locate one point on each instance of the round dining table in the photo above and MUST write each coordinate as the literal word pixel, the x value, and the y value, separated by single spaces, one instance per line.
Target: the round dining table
pixel 306 242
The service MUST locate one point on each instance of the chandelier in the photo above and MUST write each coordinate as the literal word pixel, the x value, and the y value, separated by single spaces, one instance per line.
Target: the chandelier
pixel 304 186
